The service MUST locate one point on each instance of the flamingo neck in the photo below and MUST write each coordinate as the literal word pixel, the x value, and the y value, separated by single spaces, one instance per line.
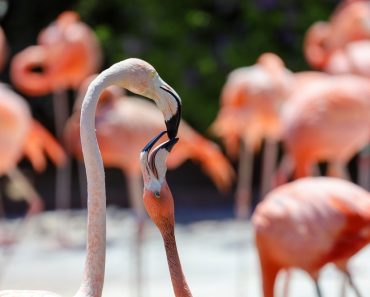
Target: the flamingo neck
pixel 180 286
pixel 93 279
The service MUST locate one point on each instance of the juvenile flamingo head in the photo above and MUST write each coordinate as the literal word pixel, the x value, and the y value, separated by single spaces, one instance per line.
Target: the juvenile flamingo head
pixel 158 200
pixel 141 78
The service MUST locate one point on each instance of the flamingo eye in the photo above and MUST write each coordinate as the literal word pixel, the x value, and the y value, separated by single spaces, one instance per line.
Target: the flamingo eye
pixel 157 194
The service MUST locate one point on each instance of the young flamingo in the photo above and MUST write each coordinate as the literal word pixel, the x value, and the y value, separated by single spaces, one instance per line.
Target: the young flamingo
pixel 158 202
pixel 139 77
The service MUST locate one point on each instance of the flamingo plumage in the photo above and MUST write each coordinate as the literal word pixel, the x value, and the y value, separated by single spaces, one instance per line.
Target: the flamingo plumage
pixel 325 219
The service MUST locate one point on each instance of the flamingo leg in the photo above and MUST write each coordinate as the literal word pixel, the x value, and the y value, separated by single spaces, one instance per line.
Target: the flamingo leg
pixel 33 199
pixel 2 209
pixel 268 165
pixel 364 168
pixel 134 182
pixel 284 170
pixel 63 174
pixel 244 190
pixel 338 169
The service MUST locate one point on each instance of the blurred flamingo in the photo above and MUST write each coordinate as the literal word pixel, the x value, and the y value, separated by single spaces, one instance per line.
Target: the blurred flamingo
pixel 249 113
pixel 67 52
pixel 311 113
pixel 159 205
pixel 342 45
pixel 325 219
pixel 327 121
pixel 20 135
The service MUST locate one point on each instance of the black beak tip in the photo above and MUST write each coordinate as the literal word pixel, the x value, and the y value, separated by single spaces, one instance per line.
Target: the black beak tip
pixel 171 143
pixel 172 126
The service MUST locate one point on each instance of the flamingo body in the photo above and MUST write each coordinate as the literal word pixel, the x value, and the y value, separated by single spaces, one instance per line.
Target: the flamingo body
pixel 325 219
pixel 14 126
pixel 327 121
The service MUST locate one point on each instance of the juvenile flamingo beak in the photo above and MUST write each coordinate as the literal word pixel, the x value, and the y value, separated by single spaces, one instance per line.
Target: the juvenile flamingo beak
pixel 149 164
pixel 152 142
pixel 173 122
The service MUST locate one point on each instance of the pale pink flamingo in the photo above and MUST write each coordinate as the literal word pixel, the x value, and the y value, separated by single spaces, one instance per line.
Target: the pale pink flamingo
pixel 139 77
pixel 327 121
pixel 20 135
pixel 67 52
pixel 342 46
pixel 159 205
pixel 250 102
pixel 323 218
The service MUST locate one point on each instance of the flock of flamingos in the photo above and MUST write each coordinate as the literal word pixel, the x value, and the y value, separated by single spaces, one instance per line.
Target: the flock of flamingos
pixel 317 116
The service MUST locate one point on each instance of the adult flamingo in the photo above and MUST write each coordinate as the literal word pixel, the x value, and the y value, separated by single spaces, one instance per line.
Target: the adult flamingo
pixel 67 52
pixel 249 113
pixel 341 45
pixel 23 136
pixel 139 77
pixel 323 218
pixel 159 204
pixel 327 121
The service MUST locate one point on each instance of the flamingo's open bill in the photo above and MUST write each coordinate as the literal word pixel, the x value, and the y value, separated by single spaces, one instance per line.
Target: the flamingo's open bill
pixel 154 166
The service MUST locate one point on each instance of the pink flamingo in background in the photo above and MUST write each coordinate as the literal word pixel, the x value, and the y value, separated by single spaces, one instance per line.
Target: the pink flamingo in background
pixel 123 125
pixel 20 135
pixel 139 77
pixel 249 113
pixel 325 219
pixel 159 205
pixel 340 46
pixel 329 121
pixel 316 102
pixel 67 52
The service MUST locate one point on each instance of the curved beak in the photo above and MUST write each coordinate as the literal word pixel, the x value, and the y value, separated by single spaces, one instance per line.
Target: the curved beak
pixel 157 158
pixel 152 142
pixel 173 109
pixel 168 145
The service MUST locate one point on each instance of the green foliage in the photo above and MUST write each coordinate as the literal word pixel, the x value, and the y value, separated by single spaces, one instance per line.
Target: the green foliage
pixel 195 44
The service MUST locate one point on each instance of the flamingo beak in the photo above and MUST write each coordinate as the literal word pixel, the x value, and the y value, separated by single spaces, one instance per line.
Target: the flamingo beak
pixel 152 142
pixel 169 144
pixel 173 121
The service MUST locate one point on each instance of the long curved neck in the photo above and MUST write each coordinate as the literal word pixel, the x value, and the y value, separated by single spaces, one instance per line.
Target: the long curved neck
pixel 93 279
pixel 179 283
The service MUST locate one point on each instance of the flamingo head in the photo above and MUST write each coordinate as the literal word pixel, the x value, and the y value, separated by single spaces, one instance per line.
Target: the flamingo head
pixel 141 78
pixel 158 200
